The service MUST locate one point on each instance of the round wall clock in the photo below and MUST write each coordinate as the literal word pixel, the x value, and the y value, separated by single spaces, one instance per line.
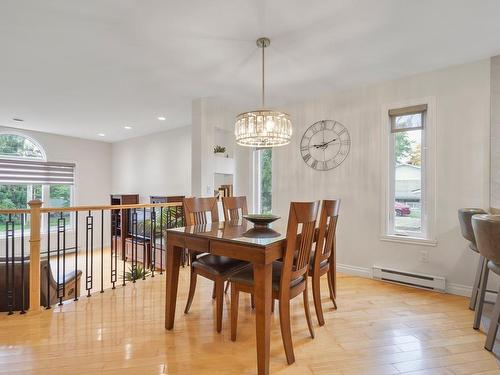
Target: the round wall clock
pixel 325 145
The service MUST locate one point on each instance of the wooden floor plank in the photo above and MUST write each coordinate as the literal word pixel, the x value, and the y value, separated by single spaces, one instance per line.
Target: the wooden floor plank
pixel 379 328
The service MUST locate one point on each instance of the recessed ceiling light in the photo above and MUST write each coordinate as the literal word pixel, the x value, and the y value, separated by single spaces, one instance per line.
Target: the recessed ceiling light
pixel 162 118
pixel 101 134
pixel 127 127
pixel 18 119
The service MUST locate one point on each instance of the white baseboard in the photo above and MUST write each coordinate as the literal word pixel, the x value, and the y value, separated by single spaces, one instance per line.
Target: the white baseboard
pixel 451 288
pixel 354 270
pixel 458 289
pixel 466 291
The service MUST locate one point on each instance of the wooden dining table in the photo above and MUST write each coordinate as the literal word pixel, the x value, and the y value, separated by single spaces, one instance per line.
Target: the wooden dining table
pixel 239 240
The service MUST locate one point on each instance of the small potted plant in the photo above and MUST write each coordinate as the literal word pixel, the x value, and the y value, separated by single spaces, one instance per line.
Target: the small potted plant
pixel 219 150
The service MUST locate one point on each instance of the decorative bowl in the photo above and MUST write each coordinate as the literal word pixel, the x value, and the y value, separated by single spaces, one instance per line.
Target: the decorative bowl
pixel 261 220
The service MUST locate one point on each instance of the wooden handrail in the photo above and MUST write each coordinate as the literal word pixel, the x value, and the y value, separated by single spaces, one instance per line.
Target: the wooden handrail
pixel 15 211
pixel 91 208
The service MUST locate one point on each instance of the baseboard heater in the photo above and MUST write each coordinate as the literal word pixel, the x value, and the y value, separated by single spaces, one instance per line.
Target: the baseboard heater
pixel 416 280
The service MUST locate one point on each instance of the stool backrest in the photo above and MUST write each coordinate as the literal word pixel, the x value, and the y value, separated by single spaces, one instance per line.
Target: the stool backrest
pixel 487 233
pixel 464 217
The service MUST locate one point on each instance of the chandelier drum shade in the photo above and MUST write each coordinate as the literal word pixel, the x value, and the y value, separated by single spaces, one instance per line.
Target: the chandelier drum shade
pixel 263 127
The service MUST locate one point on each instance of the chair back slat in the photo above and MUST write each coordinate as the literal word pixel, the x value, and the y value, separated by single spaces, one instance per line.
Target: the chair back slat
pixel 232 207
pixel 325 245
pixel 301 228
pixel 196 210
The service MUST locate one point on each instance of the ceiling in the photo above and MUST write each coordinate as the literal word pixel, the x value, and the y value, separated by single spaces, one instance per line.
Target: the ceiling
pixel 80 68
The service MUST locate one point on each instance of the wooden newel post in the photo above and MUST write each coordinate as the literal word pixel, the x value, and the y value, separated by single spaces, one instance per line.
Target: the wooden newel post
pixel 35 220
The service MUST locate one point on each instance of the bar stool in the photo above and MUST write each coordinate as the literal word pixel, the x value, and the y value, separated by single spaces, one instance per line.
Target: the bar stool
pixel 487 233
pixel 464 217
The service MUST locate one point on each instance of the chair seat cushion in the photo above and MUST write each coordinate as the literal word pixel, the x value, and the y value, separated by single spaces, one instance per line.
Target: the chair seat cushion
pixel 218 265
pixel 494 267
pixel 245 276
pixel 311 261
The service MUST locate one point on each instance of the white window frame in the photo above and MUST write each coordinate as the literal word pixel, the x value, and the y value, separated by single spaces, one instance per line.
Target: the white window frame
pixel 45 188
pixel 256 179
pixel 428 191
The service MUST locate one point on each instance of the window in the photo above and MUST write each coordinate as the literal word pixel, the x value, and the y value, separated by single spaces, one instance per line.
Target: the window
pixel 408 207
pixel 263 180
pixel 25 175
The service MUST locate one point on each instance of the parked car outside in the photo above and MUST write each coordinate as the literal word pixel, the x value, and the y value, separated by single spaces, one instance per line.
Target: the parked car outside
pixel 401 209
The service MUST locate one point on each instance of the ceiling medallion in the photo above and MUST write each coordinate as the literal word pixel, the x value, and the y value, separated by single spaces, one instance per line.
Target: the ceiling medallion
pixel 263 127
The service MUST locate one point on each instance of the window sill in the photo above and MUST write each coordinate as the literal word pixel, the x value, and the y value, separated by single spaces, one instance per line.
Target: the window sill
pixel 408 240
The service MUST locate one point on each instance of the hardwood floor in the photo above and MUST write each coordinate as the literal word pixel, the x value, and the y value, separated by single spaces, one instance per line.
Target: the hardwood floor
pixel 379 328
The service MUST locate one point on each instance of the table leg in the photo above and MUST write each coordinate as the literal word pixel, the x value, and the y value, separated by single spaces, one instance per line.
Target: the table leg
pixel 173 264
pixel 263 297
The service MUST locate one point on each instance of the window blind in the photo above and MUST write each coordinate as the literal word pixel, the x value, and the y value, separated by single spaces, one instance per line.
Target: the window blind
pixel 407 118
pixel 36 172
pixel 408 110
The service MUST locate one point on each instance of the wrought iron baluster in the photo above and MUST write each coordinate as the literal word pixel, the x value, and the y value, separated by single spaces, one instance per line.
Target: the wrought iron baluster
pixel 122 237
pixel 134 245
pixel 23 286
pixel 61 236
pixel 114 249
pixel 9 241
pixel 153 241
pixel 77 289
pixel 161 241
pixel 89 248
pixel 144 259
pixel 48 262
pixel 102 251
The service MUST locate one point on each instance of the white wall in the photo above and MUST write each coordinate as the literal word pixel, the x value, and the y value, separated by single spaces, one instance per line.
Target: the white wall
pixel 157 164
pixel 210 116
pixel 462 95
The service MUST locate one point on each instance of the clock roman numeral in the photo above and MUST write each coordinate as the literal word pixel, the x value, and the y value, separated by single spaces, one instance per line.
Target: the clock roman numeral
pixel 314 164
pixel 306 157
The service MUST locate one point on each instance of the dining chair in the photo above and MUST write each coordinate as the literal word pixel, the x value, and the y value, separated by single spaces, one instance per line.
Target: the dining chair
pixel 323 257
pixel 289 278
pixel 487 233
pixel 213 267
pixel 232 207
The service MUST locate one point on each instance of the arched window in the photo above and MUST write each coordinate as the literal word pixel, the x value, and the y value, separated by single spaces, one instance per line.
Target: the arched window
pixel 15 146
pixel 25 175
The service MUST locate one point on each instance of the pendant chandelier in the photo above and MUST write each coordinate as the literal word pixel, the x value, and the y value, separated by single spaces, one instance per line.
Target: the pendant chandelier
pixel 263 127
